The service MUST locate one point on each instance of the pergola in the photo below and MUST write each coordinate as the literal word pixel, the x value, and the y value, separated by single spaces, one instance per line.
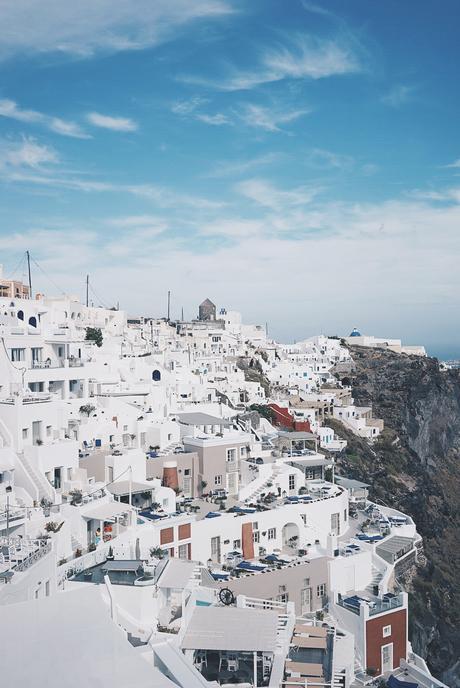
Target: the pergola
pixel 298 436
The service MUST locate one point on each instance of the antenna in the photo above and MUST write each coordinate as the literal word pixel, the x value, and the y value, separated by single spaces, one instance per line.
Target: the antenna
pixel 169 304
pixel 30 275
pixel 87 290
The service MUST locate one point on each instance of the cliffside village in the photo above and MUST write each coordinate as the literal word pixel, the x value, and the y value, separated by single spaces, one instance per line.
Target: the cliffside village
pixel 170 512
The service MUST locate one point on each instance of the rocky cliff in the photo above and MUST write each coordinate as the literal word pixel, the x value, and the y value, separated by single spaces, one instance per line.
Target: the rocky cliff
pixel 415 466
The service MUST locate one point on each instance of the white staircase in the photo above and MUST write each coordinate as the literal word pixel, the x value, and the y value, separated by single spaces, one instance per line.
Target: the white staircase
pixel 264 487
pixel 44 487
pixel 375 580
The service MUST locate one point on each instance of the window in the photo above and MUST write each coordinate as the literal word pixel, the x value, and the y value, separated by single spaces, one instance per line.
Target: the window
pixel 25 433
pixel 272 533
pixel 231 454
pixel 187 471
pixel 386 631
pixel 125 428
pixel 306 582
pixel 36 354
pixel 47 588
pixel 255 536
pixel 345 515
pixel 283 597
pixel 17 354
pixel 242 452
pixel 183 552
pixel 61 351
pixel 236 544
pixel 321 590
pixel 48 430
pixel 218 480
pixel 292 482
pixel 255 525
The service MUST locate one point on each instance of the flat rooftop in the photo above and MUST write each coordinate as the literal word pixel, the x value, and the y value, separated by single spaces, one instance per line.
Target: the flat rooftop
pixel 231 628
pixel 201 419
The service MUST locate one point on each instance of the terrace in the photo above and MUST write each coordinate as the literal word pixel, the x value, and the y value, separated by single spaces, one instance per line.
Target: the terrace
pixel 373 605
pixel 120 572
pixel 18 554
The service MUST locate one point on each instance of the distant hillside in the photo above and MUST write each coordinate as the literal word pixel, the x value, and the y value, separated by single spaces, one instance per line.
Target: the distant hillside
pixel 415 465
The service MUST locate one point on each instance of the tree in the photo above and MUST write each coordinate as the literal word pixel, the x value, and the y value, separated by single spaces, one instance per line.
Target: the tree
pixel 94 334
pixel 87 409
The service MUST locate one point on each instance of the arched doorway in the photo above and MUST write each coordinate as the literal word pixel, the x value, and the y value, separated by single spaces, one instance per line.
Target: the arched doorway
pixel 33 321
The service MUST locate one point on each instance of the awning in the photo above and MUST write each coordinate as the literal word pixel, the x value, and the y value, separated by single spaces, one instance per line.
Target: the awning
pixel 106 511
pixel 122 488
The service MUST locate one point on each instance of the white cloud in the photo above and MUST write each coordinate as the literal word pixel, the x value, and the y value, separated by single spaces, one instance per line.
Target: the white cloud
pixel 238 167
pixel 10 110
pixel 349 262
pixel 25 153
pixel 269 118
pixel 454 165
pixel 305 57
pixel 216 120
pixel 163 197
pixel 186 107
pixel 265 194
pixel 327 159
pixel 398 95
pixel 112 123
pixel 86 27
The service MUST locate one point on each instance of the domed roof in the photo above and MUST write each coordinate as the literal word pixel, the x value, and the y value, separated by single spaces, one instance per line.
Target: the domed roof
pixel 355 333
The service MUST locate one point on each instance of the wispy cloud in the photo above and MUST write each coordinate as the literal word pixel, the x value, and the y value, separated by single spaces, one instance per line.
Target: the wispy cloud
pixel 327 159
pixel 454 165
pixel 266 194
pixel 163 197
pixel 110 122
pixel 239 167
pixel 186 107
pixel 269 118
pixel 216 120
pixel 26 153
pixel 398 95
pixel 304 57
pixel 10 110
pixel 86 27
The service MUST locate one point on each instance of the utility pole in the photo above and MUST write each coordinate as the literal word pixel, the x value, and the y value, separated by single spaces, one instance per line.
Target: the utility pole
pixel 8 490
pixel 182 316
pixel 30 274
pixel 169 304
pixel 151 333
pixel 87 291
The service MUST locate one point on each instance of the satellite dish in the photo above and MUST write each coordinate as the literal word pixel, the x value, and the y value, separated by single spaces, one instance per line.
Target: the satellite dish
pixel 226 597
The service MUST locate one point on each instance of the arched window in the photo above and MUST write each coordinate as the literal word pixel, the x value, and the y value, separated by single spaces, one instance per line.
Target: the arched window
pixel 21 315
pixel 156 376
pixel 33 321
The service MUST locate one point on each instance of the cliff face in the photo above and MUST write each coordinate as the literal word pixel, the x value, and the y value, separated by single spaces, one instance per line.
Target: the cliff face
pixel 415 466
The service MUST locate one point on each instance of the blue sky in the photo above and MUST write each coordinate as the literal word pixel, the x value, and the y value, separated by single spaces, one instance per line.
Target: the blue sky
pixel 296 161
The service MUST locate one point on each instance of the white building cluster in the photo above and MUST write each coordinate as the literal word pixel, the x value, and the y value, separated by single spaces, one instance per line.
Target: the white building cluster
pixel 155 531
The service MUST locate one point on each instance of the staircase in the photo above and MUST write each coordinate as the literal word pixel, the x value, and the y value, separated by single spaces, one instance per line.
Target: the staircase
pixel 76 544
pixel 254 496
pixel 375 580
pixel 44 487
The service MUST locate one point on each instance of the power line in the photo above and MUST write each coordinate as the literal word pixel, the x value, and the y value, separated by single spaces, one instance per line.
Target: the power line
pixel 18 266
pixel 56 286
